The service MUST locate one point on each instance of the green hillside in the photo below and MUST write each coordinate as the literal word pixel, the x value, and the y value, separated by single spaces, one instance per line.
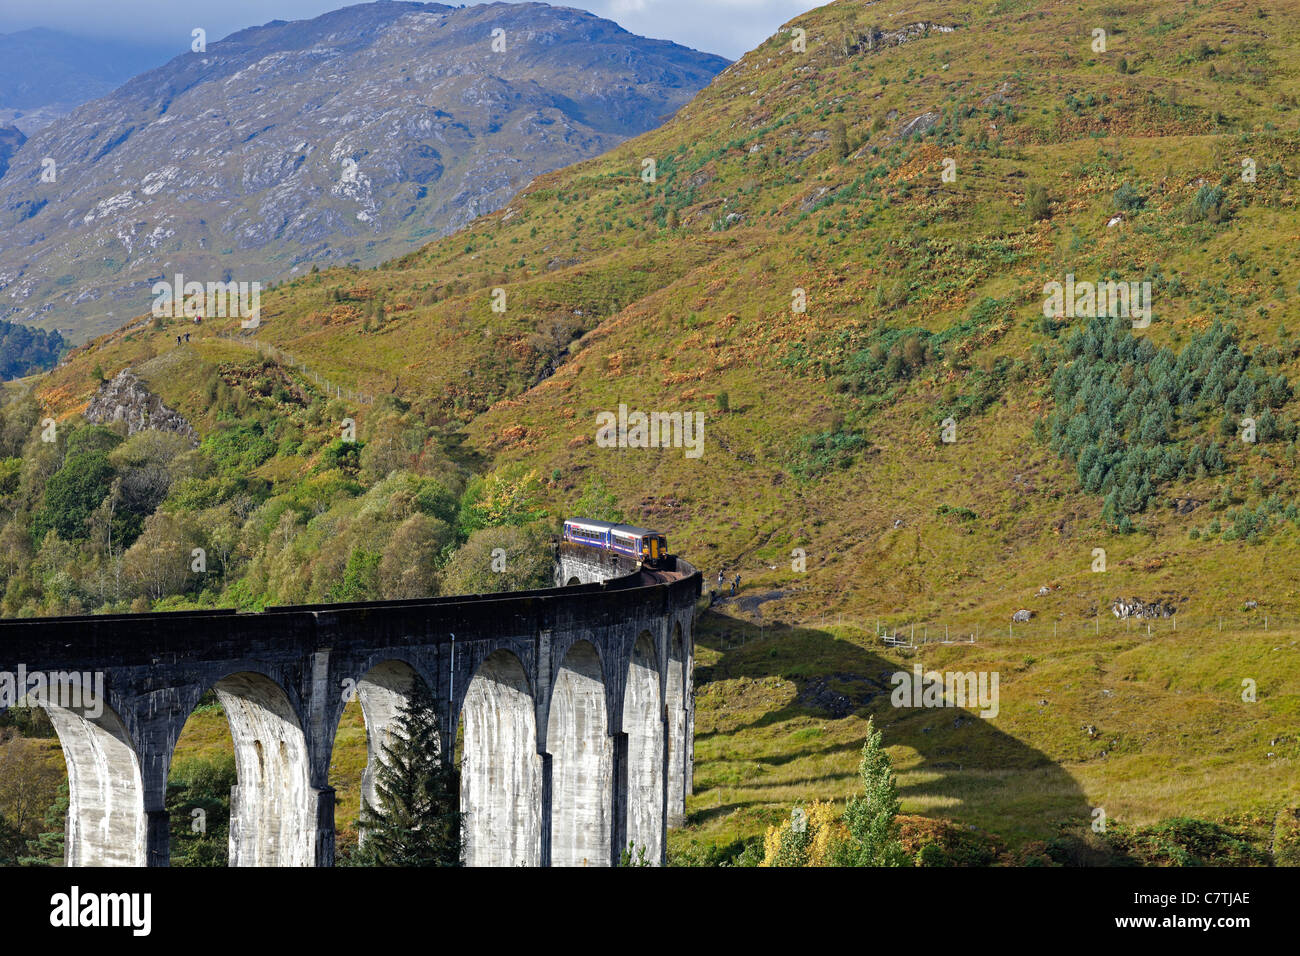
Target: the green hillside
pixel 823 171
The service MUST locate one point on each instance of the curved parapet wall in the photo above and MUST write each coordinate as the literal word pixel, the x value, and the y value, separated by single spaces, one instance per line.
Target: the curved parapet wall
pixel 579 564
pixel 577 706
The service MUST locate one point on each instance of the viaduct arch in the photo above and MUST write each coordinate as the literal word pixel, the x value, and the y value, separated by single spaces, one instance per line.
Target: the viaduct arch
pixel 576 704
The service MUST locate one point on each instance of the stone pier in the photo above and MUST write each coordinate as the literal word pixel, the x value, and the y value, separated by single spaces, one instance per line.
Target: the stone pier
pixel 575 705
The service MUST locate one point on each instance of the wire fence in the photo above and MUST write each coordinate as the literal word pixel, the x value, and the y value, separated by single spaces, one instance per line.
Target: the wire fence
pixel 891 632
pixel 965 631
pixel 289 360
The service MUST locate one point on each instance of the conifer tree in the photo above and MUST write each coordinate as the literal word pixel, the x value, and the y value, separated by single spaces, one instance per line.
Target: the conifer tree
pixel 47 848
pixel 873 832
pixel 417 821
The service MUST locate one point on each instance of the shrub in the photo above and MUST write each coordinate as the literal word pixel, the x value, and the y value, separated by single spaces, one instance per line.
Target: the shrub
pixel 343 455
pixel 1127 198
pixel 1286 838
pixel 1185 841
pixel 839 140
pixel 826 451
pixel 1206 205
pixel 1037 204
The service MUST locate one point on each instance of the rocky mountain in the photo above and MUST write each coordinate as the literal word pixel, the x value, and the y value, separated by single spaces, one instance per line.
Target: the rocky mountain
pixel 11 140
pixel 846 264
pixel 351 137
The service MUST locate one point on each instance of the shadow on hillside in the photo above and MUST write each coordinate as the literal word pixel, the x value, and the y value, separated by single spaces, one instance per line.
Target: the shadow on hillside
pixel 969 771
pixel 454 445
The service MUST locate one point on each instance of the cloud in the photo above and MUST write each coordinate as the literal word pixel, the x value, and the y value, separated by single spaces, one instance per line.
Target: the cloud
pixel 729 27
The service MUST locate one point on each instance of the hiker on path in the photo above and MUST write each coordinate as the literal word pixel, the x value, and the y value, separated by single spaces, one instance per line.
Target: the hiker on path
pixel 735 584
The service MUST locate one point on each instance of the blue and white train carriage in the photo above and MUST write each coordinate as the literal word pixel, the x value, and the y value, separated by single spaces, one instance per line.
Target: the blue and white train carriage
pixel 650 547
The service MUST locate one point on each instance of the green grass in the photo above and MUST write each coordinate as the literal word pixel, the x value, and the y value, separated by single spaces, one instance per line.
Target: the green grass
pixel 661 318
pixel 1174 737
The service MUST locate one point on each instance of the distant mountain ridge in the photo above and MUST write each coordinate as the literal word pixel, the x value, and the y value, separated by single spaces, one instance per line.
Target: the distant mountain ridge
pixel 882 390
pixel 11 140
pixel 46 73
pixel 354 136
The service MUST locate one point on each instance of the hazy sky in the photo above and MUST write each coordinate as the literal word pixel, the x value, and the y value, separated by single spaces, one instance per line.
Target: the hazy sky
pixel 729 27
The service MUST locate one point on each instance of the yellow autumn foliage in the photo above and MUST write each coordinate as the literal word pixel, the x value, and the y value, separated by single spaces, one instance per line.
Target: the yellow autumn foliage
pixel 511 497
pixel 822 832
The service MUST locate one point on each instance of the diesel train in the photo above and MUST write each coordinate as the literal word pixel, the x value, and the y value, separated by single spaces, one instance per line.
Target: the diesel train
pixel 650 547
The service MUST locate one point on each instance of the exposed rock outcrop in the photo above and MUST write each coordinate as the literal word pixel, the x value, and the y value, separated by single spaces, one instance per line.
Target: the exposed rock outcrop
pixel 920 125
pixel 125 399
pixel 1138 608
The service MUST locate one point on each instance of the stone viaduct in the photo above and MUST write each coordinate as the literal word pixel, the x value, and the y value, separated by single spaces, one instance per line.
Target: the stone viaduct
pixel 573 708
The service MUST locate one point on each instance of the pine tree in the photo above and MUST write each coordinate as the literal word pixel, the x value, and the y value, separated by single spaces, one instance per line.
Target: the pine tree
pixel 1266 428
pixel 418 819
pixel 873 832
pixel 47 849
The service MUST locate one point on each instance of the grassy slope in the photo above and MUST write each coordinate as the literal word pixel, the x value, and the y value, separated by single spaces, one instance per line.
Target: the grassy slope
pixel 675 316
pixel 1174 736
